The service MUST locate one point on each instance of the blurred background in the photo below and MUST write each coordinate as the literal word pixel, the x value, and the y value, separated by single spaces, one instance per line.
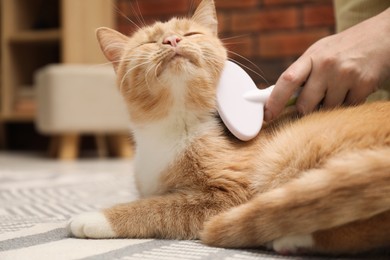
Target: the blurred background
pixel 36 33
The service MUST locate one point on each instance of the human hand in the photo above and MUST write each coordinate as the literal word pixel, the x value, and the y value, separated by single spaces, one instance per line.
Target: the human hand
pixel 340 69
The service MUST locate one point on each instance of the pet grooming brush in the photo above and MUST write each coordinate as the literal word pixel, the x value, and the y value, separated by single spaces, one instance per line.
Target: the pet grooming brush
pixel 240 103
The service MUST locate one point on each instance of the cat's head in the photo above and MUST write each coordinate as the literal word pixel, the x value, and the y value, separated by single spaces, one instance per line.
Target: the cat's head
pixel 168 65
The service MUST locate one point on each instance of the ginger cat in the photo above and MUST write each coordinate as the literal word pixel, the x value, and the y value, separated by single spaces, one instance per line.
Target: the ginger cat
pixel 320 183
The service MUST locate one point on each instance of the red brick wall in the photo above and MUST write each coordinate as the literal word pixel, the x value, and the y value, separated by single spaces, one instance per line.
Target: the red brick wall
pixel 270 33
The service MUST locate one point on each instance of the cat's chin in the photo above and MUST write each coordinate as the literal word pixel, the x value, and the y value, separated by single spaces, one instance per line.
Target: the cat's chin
pixel 180 60
pixel 179 64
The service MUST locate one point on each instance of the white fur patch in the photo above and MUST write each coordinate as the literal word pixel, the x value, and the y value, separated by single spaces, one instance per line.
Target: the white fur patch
pixel 91 225
pixel 156 149
pixel 159 146
pixel 293 244
pixel 160 143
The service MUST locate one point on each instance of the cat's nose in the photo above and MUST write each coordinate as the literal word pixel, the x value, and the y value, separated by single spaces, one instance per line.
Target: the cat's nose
pixel 172 40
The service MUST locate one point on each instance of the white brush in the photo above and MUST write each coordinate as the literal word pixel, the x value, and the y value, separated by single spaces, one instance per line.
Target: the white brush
pixel 240 103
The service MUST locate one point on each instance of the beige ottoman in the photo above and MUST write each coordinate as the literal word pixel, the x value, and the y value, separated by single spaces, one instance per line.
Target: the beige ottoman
pixel 81 99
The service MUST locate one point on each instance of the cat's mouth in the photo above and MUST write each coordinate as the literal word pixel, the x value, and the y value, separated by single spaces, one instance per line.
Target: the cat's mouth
pixel 180 57
pixel 178 60
pixel 177 55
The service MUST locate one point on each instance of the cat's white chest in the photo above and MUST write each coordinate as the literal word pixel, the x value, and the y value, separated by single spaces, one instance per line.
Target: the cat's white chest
pixel 148 169
pixel 156 150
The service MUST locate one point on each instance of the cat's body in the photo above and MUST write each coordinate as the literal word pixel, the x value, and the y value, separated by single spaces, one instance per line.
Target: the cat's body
pixel 319 183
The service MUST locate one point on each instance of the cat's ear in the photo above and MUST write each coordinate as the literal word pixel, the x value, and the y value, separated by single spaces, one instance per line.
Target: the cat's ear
pixel 206 15
pixel 112 43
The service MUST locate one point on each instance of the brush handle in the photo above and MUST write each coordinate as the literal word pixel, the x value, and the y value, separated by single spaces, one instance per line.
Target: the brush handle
pixel 258 95
pixel 261 96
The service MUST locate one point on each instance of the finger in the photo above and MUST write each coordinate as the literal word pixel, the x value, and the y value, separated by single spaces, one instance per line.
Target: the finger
pixel 286 85
pixel 352 100
pixel 313 92
pixel 358 94
pixel 335 96
pixel 309 99
pixel 355 97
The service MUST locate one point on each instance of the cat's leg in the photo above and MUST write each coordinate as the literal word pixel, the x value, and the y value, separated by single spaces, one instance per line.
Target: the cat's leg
pixel 348 188
pixel 355 237
pixel 176 215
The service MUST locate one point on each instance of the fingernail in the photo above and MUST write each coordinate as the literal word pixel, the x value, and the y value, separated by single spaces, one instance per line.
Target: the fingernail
pixel 267 115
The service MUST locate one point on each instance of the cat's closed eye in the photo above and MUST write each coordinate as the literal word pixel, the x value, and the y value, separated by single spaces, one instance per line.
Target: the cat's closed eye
pixel 191 34
pixel 149 42
pixel 145 43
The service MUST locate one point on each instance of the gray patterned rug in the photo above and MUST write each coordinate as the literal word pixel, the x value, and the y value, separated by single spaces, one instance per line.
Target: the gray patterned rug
pixel 38 196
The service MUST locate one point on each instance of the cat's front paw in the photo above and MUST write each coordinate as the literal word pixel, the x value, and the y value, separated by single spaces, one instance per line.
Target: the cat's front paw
pixel 91 225
pixel 292 245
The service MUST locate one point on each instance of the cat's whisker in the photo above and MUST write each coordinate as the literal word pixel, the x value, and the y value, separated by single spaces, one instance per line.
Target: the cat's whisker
pixel 135 58
pixel 213 64
pixel 248 68
pixel 108 63
pixel 212 60
pixel 234 37
pixel 111 45
pixel 118 61
pixel 139 10
pixel 246 59
pixel 233 43
pixel 125 16
pixel 155 72
pixel 146 76
pixel 102 64
pixel 210 55
pixel 136 14
pixel 142 54
pixel 140 57
pixel 252 63
pixel 127 73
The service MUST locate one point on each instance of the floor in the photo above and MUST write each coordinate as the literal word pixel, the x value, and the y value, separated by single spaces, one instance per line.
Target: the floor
pixel 36 162
pixel 36 189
